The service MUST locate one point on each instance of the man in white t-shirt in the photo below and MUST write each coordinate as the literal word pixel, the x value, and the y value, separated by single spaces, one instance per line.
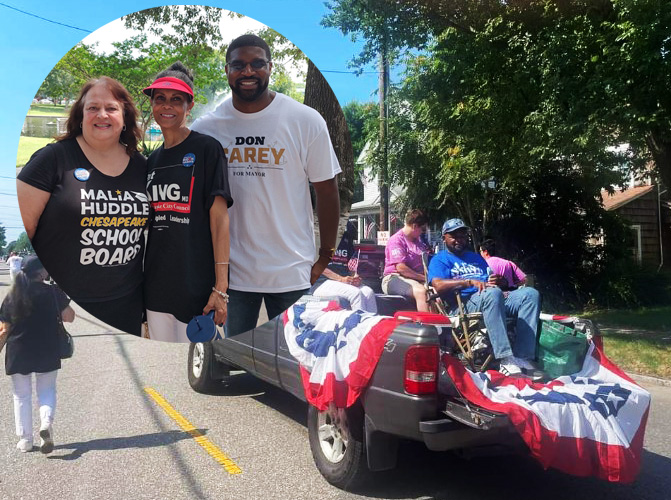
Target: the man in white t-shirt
pixel 14 262
pixel 275 148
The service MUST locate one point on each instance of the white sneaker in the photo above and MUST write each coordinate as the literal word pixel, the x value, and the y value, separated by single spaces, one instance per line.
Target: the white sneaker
pixel 509 366
pixel 25 445
pixel 46 440
pixel 524 363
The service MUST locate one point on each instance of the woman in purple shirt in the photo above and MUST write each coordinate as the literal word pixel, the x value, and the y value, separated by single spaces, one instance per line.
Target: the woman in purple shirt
pixel 403 269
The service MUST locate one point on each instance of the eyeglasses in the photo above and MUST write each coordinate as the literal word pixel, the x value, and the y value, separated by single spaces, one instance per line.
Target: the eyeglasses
pixel 256 65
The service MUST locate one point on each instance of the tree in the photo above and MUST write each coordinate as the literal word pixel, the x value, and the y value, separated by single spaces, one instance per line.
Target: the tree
pixel 607 60
pixel 180 25
pixel 361 122
pixel 22 244
pixel 510 113
pixel 59 85
pixel 378 21
pixel 320 96
pixel 362 119
pixel 3 237
pixel 73 70
pixel 398 27
pixel 134 62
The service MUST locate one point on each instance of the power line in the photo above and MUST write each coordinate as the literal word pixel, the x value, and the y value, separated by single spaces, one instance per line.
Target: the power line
pixel 89 31
pixel 44 18
pixel 350 72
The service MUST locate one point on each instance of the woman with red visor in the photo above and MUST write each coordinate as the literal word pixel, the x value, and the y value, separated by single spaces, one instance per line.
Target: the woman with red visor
pixel 186 262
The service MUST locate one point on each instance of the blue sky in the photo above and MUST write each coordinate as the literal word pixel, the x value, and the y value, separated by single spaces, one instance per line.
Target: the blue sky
pixel 30 47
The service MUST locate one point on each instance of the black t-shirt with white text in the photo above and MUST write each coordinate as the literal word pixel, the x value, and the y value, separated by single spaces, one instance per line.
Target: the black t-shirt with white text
pixel 32 343
pixel 182 183
pixel 90 234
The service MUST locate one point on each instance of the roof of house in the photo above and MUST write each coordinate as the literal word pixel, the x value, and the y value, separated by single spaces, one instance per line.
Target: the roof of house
pixel 620 198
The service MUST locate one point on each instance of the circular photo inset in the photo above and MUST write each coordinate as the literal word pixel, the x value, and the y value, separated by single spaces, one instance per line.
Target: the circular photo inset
pixel 176 193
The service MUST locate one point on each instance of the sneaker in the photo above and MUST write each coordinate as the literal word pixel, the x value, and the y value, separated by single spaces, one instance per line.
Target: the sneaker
pixel 524 364
pixel 46 440
pixel 25 445
pixel 509 366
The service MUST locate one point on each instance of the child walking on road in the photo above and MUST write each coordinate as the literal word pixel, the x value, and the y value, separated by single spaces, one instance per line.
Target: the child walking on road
pixel 29 320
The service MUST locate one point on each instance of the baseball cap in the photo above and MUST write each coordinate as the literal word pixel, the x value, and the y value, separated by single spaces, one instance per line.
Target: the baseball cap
pixel 453 224
pixel 168 82
pixel 31 264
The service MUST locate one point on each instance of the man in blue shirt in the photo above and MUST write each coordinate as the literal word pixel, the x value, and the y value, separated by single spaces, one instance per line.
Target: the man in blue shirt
pixel 459 270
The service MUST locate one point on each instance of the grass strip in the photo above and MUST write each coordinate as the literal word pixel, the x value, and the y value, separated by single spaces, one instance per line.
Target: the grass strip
pixel 27 146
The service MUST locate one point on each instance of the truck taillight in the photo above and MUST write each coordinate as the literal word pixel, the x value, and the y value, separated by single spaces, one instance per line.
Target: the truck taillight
pixel 421 369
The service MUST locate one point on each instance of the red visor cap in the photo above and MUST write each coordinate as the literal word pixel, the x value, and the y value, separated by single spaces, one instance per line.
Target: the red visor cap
pixel 168 82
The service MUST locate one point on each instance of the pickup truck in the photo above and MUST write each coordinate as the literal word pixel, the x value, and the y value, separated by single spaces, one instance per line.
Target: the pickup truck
pixel 410 396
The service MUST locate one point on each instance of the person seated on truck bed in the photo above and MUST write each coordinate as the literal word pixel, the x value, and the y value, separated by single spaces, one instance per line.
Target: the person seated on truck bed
pixel 514 276
pixel 403 269
pixel 340 284
pixel 459 270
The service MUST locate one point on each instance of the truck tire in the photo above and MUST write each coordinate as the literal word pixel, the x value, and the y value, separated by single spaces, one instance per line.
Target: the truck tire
pixel 200 368
pixel 337 444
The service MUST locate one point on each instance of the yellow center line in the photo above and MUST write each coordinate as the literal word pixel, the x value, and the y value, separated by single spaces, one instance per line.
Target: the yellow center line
pixel 187 427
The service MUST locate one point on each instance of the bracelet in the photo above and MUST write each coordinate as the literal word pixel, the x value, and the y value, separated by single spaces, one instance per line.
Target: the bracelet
pixel 221 263
pixel 223 294
pixel 326 252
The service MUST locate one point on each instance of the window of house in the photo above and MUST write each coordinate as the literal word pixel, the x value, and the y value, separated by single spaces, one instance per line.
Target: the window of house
pixel 636 249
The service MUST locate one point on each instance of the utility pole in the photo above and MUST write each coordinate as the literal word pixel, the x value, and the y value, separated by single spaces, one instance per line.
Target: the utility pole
pixel 383 177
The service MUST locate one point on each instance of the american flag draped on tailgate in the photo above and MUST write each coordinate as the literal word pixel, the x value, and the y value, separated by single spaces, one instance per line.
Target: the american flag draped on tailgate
pixel 590 423
pixel 337 349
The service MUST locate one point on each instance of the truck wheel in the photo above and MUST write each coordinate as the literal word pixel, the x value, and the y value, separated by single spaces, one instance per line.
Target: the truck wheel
pixel 200 368
pixel 337 444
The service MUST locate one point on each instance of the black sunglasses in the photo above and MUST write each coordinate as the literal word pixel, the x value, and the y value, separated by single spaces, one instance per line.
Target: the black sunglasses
pixel 255 64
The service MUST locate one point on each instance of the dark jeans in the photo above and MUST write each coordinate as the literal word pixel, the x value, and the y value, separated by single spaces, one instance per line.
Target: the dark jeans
pixel 244 308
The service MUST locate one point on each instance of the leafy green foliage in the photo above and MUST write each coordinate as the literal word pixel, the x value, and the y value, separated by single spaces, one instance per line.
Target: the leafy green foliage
pixel 21 245
pixel 283 83
pixel 181 25
pixel 361 118
pixel 3 236
pixel 514 116
pixel 59 85
pixel 396 26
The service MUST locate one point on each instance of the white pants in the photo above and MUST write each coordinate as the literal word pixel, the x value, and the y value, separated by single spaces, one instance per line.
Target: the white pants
pixel 165 327
pixel 45 387
pixel 359 297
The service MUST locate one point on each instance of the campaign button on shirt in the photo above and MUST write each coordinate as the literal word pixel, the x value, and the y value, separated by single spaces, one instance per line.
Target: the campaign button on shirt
pixel 81 174
pixel 189 159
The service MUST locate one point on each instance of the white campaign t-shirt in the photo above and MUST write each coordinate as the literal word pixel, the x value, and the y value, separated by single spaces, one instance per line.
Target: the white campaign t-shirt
pixel 271 156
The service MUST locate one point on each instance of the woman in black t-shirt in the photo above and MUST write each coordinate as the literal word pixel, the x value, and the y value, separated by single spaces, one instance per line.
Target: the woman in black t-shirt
pixel 186 264
pixel 84 205
pixel 29 317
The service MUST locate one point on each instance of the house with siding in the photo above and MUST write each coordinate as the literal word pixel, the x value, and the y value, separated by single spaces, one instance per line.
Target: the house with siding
pixel 365 214
pixel 647 211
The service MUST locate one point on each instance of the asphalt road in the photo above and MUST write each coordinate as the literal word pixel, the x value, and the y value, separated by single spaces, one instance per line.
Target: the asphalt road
pixel 114 439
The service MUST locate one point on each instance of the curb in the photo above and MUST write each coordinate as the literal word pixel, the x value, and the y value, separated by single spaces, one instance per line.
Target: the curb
pixel 644 379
